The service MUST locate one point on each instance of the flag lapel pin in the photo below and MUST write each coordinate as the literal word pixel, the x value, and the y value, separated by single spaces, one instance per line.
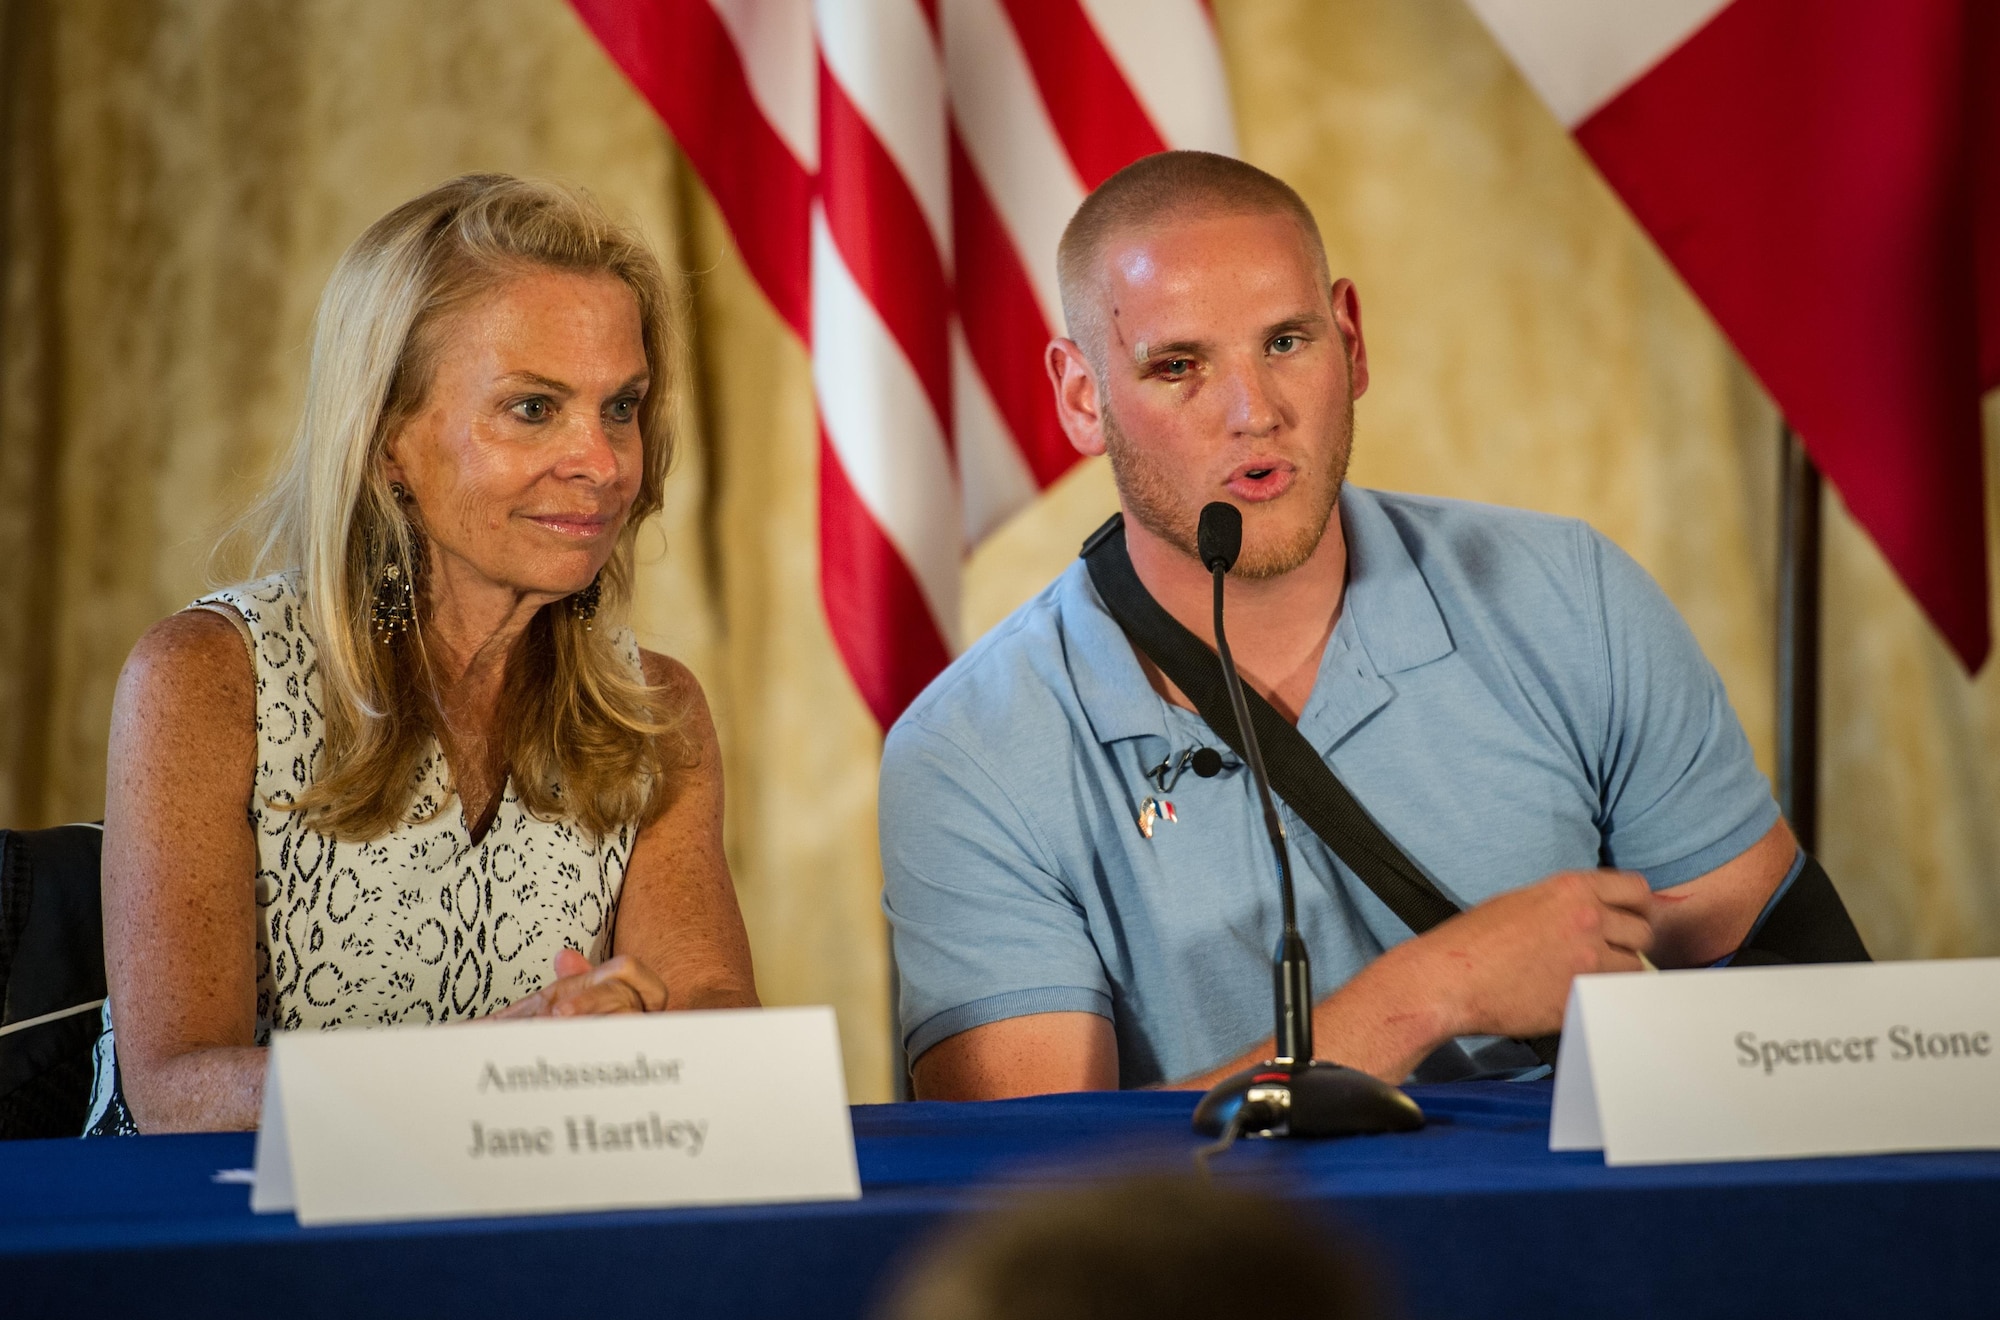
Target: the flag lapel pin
pixel 1152 811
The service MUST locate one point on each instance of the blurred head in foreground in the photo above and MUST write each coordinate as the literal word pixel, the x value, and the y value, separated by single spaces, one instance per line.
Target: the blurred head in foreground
pixel 1157 1248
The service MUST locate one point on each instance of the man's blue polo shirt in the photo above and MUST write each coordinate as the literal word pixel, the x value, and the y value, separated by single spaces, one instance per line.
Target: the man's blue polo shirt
pixel 1507 693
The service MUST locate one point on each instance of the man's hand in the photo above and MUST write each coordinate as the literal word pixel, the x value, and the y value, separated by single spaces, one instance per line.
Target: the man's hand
pixel 617 985
pixel 1504 967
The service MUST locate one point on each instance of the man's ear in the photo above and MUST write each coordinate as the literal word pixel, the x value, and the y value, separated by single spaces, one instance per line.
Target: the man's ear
pixel 1079 406
pixel 1347 316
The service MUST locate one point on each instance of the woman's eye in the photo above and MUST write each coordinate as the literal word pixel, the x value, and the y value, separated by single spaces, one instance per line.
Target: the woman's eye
pixel 623 410
pixel 532 410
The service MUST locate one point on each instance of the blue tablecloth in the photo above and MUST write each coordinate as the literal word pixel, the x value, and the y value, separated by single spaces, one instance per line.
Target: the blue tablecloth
pixel 1472 1216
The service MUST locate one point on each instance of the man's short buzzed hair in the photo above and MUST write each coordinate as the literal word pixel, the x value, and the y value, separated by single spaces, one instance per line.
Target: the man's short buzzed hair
pixel 1153 189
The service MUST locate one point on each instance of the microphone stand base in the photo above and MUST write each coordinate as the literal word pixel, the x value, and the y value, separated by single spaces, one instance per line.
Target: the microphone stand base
pixel 1309 1098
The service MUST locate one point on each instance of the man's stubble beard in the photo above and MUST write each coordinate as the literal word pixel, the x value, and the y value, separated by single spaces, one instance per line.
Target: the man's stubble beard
pixel 1150 498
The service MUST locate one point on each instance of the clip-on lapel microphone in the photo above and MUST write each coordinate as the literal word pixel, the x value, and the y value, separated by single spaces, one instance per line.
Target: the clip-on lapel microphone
pixel 1292 1095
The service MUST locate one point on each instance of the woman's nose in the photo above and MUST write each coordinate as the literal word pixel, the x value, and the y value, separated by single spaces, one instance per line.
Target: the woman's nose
pixel 588 453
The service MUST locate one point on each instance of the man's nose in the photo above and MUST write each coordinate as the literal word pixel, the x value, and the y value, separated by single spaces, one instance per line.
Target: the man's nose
pixel 1254 408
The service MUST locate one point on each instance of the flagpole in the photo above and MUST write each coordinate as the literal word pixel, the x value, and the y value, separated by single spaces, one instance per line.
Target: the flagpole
pixel 1798 637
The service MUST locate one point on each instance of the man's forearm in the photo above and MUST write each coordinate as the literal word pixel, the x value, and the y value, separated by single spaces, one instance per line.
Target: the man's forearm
pixel 1384 1021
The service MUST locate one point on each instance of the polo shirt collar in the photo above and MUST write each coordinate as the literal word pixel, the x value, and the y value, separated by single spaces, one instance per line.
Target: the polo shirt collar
pixel 1395 622
pixel 1103 667
pixel 1395 616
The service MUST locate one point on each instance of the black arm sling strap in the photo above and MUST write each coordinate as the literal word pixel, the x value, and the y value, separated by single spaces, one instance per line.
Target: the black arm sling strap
pixel 1811 923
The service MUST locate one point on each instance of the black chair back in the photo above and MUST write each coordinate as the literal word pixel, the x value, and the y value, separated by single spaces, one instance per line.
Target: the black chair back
pixel 51 977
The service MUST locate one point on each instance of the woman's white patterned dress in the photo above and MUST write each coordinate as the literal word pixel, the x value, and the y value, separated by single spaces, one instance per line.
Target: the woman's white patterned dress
pixel 425 924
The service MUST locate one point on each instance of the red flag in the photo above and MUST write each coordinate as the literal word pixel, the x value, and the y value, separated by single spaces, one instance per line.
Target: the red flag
pixel 1822 173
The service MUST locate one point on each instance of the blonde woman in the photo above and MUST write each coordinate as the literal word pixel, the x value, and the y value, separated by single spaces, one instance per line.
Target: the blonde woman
pixel 416 771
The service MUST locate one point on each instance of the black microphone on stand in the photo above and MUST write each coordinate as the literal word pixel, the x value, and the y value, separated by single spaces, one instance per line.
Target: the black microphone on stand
pixel 1293 1095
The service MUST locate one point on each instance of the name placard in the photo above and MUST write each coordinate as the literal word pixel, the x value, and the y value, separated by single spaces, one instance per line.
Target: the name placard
pixel 1759 1063
pixel 492 1118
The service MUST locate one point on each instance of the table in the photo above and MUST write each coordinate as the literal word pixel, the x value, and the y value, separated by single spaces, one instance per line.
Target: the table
pixel 1472 1216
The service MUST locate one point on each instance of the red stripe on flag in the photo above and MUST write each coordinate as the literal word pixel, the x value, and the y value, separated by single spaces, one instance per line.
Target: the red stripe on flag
pixel 887 244
pixel 1004 328
pixel 1804 164
pixel 680 57
pixel 879 617
pixel 1101 123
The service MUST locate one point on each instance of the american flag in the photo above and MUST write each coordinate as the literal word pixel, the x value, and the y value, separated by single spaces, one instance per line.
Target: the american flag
pixel 896 174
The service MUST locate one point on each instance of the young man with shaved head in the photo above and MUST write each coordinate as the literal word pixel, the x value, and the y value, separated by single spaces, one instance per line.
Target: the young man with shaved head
pixel 1507 694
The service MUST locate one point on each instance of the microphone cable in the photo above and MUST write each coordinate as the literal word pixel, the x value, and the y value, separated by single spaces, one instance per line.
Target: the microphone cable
pixel 1250 1116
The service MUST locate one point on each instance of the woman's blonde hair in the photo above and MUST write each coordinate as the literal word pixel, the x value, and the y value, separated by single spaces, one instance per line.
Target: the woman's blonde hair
pixel 585 738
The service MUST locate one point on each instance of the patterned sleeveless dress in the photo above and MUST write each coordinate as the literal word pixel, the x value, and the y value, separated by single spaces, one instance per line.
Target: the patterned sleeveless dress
pixel 423 925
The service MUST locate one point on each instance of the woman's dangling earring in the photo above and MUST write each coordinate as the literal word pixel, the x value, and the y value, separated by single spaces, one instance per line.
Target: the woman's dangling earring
pixel 584 603
pixel 395 603
pixel 395 594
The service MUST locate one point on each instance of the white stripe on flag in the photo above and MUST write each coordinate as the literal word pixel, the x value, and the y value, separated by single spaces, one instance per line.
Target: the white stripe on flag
pixel 882 55
pixel 774 39
pixel 883 429
pixel 1010 139
pixel 1167 51
pixel 995 481
pixel 1578 54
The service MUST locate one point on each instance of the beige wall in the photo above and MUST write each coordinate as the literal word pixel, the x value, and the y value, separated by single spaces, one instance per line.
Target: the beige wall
pixel 180 175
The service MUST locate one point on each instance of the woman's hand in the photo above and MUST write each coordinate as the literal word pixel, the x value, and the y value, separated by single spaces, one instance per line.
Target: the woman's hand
pixel 617 985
